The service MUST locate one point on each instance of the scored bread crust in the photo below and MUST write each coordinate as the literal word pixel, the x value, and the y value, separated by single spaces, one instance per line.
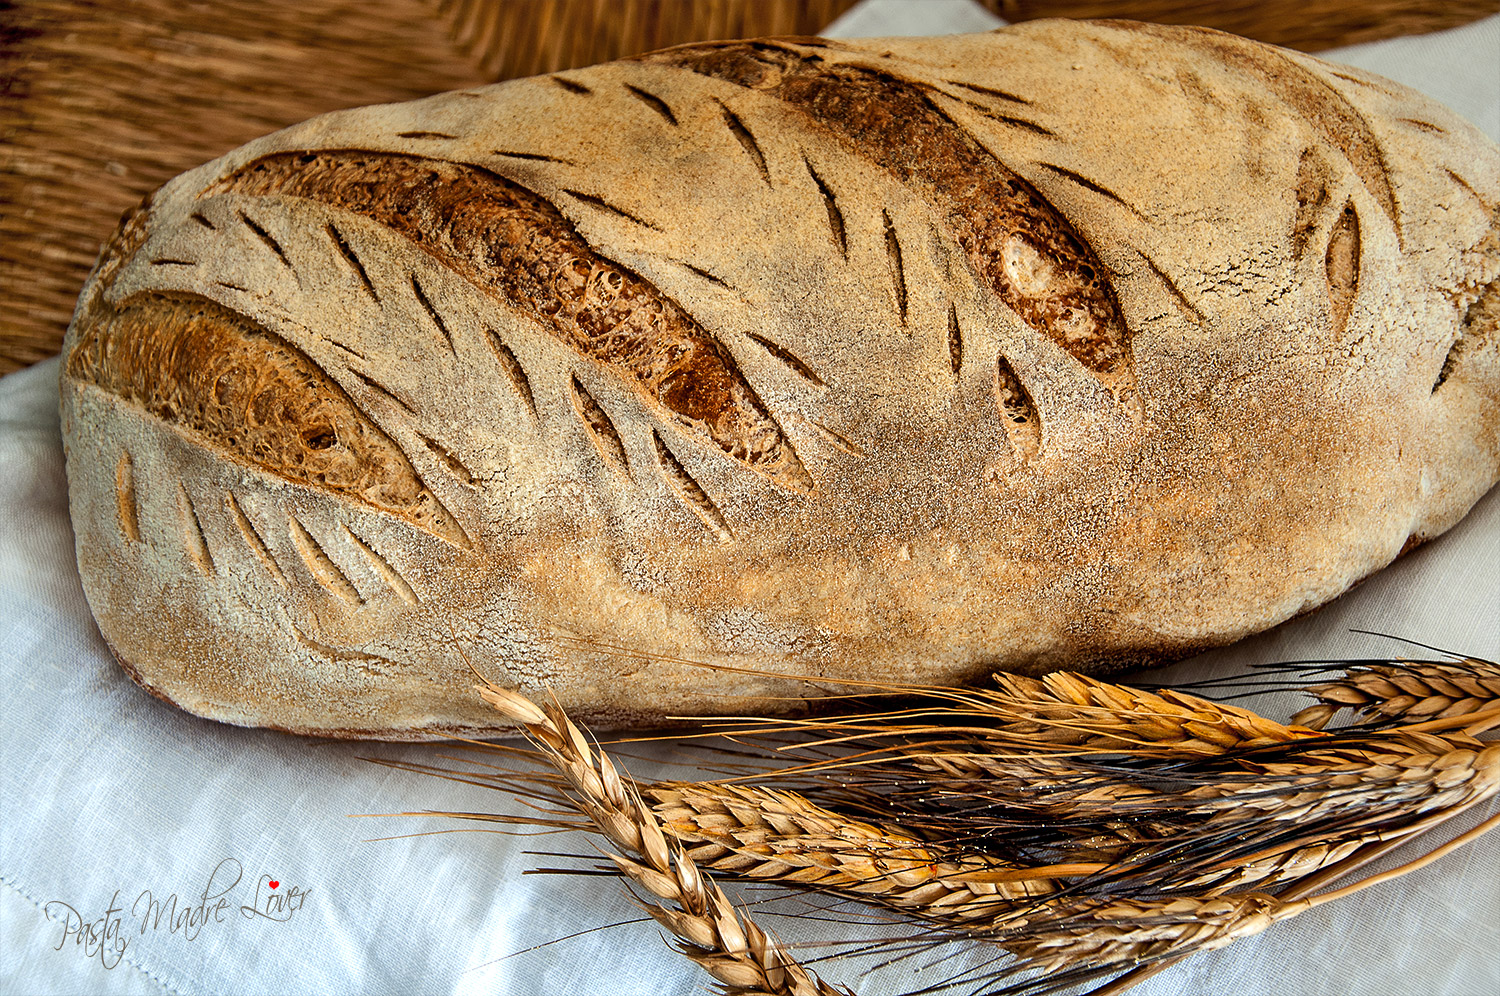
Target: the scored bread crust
pixel 1076 344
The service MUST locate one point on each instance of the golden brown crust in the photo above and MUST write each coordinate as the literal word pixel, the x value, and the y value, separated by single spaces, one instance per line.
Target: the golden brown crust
pixel 1073 345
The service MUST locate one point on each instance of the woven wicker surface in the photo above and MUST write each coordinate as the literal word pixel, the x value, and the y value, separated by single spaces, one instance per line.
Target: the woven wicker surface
pixel 102 102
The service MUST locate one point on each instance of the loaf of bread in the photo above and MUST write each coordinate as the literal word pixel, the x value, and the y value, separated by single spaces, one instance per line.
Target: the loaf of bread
pixel 649 385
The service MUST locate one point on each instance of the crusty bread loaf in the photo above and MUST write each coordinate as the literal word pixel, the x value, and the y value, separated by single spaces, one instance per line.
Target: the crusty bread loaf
pixel 1074 344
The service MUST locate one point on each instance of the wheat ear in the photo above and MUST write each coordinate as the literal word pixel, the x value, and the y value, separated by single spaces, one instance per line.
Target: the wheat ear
pixel 1072 709
pixel 1117 932
pixel 765 834
pixel 1062 945
pixel 720 938
pixel 1063 711
pixel 1316 780
pixel 1407 692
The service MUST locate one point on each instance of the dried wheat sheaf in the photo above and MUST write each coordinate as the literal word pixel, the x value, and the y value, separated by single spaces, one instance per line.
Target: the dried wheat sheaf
pixel 1086 829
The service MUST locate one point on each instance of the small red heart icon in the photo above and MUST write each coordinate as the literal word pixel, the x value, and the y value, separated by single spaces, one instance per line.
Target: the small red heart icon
pixel 273 883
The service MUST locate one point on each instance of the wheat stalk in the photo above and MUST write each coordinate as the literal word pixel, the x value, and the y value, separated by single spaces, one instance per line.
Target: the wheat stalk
pixel 1406 691
pixel 723 940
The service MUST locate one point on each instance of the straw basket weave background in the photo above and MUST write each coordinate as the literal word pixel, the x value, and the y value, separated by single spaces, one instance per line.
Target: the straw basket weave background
pixel 102 102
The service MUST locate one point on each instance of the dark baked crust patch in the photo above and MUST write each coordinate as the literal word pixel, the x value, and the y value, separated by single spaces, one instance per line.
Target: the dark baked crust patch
pixel 196 364
pixel 520 247
pixel 1021 246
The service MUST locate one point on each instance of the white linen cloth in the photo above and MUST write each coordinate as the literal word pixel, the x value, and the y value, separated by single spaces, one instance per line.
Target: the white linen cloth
pixel 113 800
